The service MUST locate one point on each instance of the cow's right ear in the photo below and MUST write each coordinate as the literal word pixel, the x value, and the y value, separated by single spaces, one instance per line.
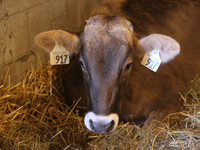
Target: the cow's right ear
pixel 46 40
pixel 167 46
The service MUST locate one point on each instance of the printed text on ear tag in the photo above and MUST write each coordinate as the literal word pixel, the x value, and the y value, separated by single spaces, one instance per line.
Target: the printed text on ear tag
pixel 152 60
pixel 59 55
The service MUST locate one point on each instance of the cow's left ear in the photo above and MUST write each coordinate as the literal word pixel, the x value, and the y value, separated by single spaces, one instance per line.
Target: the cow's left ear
pixel 167 46
pixel 46 40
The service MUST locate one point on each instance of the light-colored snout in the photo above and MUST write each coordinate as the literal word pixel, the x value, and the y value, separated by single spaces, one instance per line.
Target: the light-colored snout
pixel 100 123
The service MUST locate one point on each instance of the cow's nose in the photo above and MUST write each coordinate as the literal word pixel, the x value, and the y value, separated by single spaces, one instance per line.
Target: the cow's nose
pixel 101 124
pixel 99 127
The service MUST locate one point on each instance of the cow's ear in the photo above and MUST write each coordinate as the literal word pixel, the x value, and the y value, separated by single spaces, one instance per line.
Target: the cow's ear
pixel 46 40
pixel 169 48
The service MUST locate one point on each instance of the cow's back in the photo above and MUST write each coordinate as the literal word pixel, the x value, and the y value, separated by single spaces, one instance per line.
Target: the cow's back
pixel 177 19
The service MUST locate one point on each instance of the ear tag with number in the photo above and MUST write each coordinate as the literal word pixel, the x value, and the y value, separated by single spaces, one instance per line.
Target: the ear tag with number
pixel 152 60
pixel 59 55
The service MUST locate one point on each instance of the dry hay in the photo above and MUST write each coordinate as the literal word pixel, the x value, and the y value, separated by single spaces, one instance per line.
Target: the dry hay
pixel 33 115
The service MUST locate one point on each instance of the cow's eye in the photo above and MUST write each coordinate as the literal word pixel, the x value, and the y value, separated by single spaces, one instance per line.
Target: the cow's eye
pixel 128 66
pixel 81 63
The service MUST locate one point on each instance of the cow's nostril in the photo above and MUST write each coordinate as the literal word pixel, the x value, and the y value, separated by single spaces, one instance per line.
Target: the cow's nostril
pixel 92 125
pixel 101 127
pixel 112 123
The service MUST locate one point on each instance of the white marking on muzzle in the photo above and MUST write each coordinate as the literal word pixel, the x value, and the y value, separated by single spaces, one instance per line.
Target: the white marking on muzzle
pixel 100 121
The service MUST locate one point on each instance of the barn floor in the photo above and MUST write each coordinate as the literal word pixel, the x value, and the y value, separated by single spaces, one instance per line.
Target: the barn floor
pixel 33 115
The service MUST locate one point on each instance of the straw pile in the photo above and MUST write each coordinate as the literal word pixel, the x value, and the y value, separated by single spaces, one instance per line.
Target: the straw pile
pixel 33 115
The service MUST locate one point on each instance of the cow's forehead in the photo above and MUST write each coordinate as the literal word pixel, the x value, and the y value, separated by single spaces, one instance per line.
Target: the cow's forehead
pixel 107 37
pixel 101 27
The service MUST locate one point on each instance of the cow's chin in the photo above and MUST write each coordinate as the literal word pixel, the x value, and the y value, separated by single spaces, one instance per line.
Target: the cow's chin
pixel 101 123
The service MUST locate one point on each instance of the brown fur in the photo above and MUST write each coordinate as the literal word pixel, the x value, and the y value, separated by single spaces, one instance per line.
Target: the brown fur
pixel 136 94
pixel 149 93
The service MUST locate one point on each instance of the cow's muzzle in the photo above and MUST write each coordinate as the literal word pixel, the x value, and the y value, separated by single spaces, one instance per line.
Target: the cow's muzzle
pixel 100 123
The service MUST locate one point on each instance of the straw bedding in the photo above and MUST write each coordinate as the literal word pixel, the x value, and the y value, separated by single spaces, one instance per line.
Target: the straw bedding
pixel 33 115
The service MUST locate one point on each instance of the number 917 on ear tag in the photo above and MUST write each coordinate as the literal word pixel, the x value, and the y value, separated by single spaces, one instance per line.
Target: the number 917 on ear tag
pixel 152 60
pixel 59 55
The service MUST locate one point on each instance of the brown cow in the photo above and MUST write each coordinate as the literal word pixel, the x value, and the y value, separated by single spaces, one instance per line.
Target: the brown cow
pixel 112 46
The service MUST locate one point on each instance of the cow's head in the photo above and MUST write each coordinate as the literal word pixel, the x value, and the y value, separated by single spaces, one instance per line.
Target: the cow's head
pixel 107 46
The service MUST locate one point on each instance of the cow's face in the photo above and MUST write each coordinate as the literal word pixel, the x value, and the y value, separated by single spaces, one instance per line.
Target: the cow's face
pixel 106 59
pixel 107 48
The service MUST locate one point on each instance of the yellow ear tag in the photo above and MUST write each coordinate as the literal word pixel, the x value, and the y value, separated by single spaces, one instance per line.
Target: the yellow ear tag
pixel 152 60
pixel 59 55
